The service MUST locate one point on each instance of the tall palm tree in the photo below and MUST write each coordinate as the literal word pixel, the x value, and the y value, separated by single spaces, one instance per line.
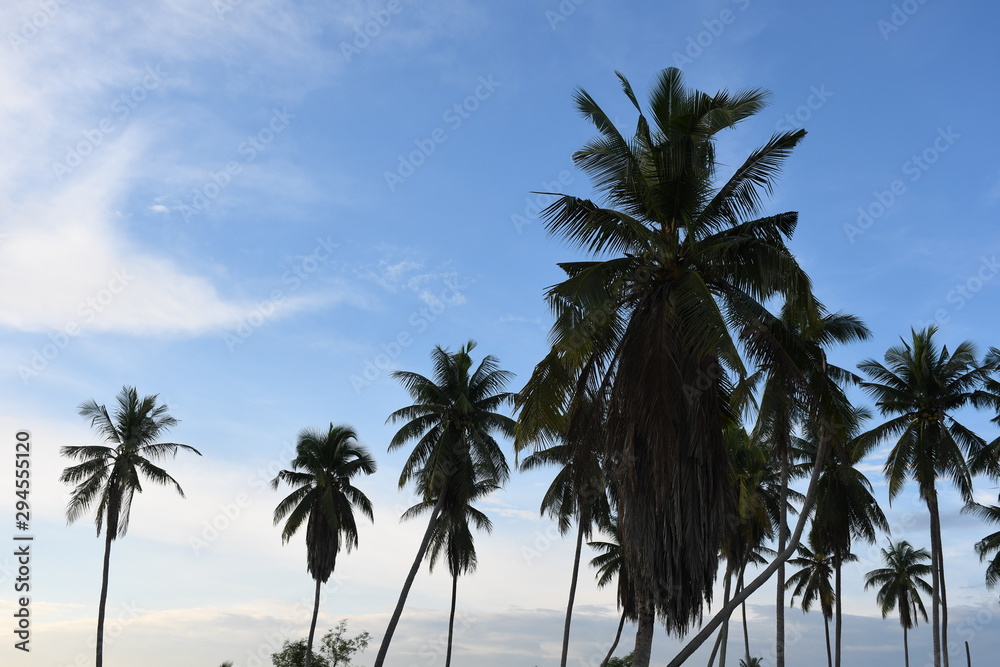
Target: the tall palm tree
pixel 610 564
pixel 846 510
pixel 578 490
pixel 812 583
pixel 920 388
pixel 324 498
pixel 453 538
pixel 807 398
pixel 453 419
pixel 111 475
pixel 664 317
pixel 900 583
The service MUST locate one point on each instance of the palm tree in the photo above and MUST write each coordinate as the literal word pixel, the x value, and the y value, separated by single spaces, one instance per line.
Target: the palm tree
pixel 846 510
pixel 811 398
pixel 920 388
pixel 453 420
pixel 110 475
pixel 989 544
pixel 324 498
pixel 812 582
pixel 578 490
pixel 610 564
pixel 453 537
pixel 900 584
pixel 659 321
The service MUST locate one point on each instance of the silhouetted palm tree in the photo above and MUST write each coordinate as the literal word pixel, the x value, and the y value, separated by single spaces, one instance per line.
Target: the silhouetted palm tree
pixel 664 317
pixel 610 565
pixel 846 510
pixel 578 490
pixel 900 583
pixel 324 498
pixel 989 544
pixel 813 584
pixel 110 475
pixel 453 419
pixel 452 535
pixel 920 388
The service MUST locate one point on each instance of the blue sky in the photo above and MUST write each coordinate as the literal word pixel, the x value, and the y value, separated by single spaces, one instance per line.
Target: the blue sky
pixel 258 209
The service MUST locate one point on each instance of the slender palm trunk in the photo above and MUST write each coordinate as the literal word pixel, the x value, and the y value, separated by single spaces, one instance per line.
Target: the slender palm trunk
pixel 572 592
pixel 837 562
pixel 945 649
pixel 829 655
pixel 935 580
pixel 746 631
pixel 715 649
pixel 779 607
pixel 384 647
pixel 807 505
pixel 451 618
pixel 102 605
pixel 725 624
pixel 312 625
pixel 643 636
pixel 906 648
pixel 614 645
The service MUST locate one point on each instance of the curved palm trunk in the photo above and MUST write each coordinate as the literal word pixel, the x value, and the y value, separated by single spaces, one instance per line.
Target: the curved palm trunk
pixel 614 645
pixel 837 562
pixel 779 607
pixel 829 655
pixel 102 605
pixel 312 625
pixel 451 618
pixel 906 648
pixel 643 636
pixel 394 621
pixel 572 593
pixel 807 505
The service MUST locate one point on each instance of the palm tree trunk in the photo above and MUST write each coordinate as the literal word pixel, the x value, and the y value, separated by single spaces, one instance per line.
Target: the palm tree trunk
pixel 614 645
pixel 945 649
pixel 643 636
pixel 384 647
pixel 746 632
pixel 725 624
pixel 829 655
pixel 837 562
pixel 779 560
pixel 779 607
pixel 572 592
pixel 715 648
pixel 906 648
pixel 102 605
pixel 312 625
pixel 451 618
pixel 935 579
